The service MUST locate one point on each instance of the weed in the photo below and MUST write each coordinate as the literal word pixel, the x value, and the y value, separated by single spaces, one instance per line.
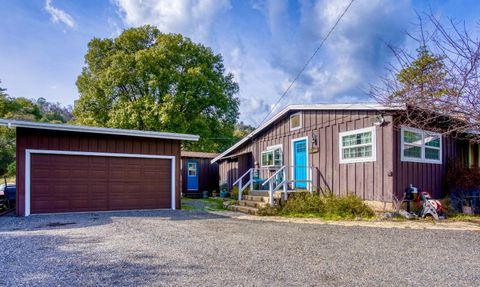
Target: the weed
pixel 323 205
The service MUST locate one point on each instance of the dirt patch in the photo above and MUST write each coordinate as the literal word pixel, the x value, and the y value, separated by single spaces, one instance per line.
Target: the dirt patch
pixel 412 224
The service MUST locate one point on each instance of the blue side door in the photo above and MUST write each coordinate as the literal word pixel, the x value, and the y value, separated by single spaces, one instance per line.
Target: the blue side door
pixel 300 163
pixel 192 175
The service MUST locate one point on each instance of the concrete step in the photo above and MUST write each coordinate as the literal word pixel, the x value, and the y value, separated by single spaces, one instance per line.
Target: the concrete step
pixel 250 203
pixel 244 209
pixel 264 193
pixel 256 198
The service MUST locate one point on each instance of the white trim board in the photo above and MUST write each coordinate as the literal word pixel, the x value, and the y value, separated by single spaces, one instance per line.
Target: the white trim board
pixel 29 152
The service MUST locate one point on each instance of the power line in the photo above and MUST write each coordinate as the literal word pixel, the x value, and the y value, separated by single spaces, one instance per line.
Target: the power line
pixel 308 61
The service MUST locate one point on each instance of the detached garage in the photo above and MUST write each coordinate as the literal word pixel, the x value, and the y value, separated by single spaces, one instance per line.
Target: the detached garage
pixel 66 168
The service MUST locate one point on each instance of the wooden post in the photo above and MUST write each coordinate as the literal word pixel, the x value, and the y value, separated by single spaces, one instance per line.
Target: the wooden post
pixel 285 195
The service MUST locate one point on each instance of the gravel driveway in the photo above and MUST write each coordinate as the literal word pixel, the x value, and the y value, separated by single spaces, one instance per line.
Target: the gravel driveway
pixel 185 248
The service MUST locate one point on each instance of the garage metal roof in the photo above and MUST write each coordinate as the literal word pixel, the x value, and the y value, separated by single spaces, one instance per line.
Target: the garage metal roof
pixel 97 130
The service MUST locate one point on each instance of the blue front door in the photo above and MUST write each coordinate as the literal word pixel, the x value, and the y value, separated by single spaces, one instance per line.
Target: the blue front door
pixel 300 163
pixel 192 175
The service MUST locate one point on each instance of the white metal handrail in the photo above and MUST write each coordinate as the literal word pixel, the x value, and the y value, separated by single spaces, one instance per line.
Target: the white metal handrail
pixel 285 181
pixel 271 188
pixel 239 179
pixel 274 175
pixel 249 183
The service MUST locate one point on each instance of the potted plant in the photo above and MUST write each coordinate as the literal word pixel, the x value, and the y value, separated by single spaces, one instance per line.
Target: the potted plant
pixel 224 190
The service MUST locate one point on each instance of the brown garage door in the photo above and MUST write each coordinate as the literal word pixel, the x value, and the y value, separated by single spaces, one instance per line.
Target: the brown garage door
pixel 67 183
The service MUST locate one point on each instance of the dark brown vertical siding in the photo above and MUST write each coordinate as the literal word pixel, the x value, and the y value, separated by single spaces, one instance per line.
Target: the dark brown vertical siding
pixel 89 142
pixel 208 174
pixel 370 180
pixel 426 176
pixel 228 173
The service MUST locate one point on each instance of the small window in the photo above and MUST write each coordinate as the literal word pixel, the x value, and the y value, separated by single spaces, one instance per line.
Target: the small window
pixel 357 145
pixel 296 121
pixel 272 157
pixel 192 169
pixel 421 146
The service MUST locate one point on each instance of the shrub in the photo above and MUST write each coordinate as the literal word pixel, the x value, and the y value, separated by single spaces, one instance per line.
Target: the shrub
pixel 325 205
pixel 11 169
pixel 461 177
pixel 234 193
pixel 303 202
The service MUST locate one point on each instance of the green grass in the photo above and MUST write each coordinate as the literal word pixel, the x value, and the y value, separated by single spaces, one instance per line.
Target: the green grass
pixel 464 217
pixel 202 204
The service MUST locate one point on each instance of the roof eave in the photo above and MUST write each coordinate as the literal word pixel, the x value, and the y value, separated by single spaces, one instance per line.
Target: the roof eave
pixel 97 130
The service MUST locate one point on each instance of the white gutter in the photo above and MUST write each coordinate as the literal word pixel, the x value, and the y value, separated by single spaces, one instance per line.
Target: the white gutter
pixel 325 107
pixel 97 130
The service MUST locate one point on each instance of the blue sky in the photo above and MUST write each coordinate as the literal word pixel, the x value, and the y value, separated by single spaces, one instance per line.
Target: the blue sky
pixel 264 43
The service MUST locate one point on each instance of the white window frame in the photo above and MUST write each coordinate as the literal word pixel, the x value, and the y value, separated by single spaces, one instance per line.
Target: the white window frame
pixel 30 152
pixel 422 146
pixel 271 149
pixel 371 158
pixel 301 121
pixel 195 165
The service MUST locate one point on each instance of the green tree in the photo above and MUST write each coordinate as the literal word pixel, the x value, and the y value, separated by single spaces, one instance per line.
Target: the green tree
pixel 148 80
pixel 24 109
pixel 425 79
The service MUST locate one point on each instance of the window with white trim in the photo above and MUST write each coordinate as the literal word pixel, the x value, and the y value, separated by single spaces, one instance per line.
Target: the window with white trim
pixel 273 156
pixel 192 169
pixel 357 145
pixel 296 121
pixel 421 146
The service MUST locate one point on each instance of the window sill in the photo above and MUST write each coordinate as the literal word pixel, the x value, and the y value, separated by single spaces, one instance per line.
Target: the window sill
pixel 419 160
pixel 357 160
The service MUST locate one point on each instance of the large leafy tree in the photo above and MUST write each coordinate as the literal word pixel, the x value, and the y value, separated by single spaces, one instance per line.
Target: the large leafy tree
pixel 148 80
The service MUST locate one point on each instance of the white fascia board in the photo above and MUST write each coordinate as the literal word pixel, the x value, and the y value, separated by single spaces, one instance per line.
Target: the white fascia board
pixel 319 107
pixel 98 130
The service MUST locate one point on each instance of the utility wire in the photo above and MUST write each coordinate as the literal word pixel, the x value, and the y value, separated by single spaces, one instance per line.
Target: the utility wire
pixel 308 61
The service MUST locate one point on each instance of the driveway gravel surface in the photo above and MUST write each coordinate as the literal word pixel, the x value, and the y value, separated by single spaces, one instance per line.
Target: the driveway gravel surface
pixel 185 248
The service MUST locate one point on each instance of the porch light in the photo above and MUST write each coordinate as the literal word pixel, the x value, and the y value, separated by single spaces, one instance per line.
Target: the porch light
pixel 378 120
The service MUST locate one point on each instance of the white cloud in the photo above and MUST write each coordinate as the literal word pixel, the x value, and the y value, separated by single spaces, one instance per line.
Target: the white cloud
pixel 190 17
pixel 353 56
pixel 264 63
pixel 58 15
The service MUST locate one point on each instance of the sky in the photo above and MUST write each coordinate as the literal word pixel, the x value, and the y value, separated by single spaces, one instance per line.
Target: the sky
pixel 263 43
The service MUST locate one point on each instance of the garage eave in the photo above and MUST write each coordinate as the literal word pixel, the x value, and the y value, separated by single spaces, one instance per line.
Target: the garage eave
pixel 97 130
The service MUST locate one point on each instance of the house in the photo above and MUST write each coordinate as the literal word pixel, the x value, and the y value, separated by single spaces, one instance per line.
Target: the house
pixel 343 148
pixel 68 168
pixel 198 173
